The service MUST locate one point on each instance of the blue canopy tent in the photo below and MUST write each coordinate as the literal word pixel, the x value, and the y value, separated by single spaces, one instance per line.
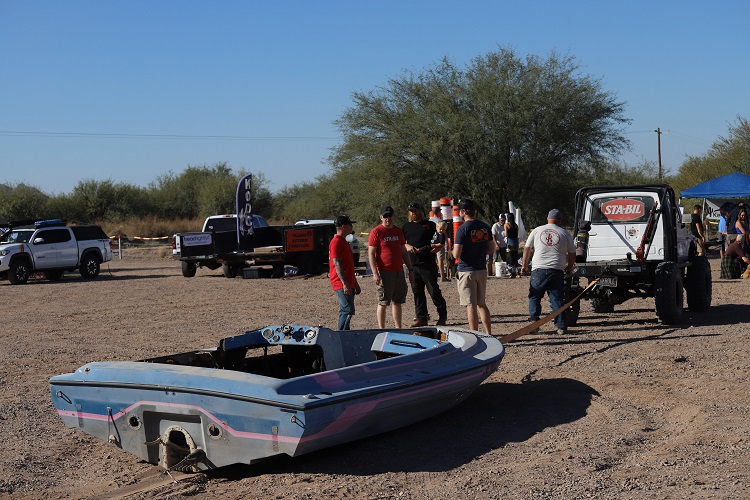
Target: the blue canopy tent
pixel 715 192
pixel 734 186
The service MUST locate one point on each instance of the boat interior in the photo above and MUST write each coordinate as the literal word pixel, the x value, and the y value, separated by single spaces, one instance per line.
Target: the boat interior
pixel 288 351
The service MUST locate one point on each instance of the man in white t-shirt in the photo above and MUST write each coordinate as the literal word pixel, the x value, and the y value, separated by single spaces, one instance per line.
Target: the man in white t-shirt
pixel 498 234
pixel 554 255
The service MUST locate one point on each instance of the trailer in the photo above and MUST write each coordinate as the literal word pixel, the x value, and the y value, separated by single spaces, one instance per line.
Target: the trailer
pixel 274 247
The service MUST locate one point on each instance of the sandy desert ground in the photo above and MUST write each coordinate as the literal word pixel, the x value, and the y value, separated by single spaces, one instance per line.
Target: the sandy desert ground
pixel 620 407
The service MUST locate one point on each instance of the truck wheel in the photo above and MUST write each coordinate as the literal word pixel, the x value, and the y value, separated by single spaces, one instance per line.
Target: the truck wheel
pixel 19 272
pixel 601 305
pixel 53 275
pixel 188 269
pixel 668 293
pixel 229 270
pixel 698 284
pixel 90 266
pixel 571 314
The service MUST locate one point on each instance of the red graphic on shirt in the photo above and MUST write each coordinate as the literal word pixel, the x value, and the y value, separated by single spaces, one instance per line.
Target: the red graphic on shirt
pixel 623 209
pixel 479 235
pixel 550 237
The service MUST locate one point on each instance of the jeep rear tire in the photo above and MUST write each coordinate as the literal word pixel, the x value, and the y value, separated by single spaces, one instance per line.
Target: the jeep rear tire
pixel 698 284
pixel 188 269
pixel 668 293
pixel 19 272
pixel 572 312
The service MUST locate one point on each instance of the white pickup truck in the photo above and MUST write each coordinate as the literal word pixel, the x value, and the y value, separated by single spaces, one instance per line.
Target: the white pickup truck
pixel 52 248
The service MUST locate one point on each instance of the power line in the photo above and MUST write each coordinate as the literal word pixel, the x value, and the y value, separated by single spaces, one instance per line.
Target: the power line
pixel 94 135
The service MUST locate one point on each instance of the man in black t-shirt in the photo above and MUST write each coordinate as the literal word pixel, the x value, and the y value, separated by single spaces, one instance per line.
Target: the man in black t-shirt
pixel 419 233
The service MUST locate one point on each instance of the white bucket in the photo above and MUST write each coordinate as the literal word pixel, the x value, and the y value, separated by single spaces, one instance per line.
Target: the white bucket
pixel 501 270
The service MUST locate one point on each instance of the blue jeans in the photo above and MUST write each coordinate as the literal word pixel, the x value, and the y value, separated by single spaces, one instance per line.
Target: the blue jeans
pixel 551 281
pixel 346 308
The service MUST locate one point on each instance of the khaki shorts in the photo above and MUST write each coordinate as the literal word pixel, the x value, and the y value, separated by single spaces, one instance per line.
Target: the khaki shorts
pixel 472 287
pixel 392 287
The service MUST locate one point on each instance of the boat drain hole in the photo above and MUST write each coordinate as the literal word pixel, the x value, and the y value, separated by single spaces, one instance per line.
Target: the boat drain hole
pixel 214 431
pixel 134 422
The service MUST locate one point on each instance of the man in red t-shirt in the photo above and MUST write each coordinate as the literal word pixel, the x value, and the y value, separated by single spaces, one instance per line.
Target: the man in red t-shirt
pixel 387 253
pixel 341 271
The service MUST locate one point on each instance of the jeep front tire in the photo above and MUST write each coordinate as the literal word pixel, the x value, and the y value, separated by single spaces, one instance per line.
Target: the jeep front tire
pixel 668 293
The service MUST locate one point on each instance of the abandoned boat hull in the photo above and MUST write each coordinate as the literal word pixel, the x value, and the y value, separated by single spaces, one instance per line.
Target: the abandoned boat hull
pixel 163 411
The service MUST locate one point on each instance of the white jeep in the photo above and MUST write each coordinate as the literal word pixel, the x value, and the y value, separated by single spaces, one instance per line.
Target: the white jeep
pixel 632 240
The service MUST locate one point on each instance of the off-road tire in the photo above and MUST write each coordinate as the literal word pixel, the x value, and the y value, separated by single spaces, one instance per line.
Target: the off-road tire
pixel 53 275
pixel 19 272
pixel 698 284
pixel 668 293
pixel 601 305
pixel 188 269
pixel 229 270
pixel 571 314
pixel 90 266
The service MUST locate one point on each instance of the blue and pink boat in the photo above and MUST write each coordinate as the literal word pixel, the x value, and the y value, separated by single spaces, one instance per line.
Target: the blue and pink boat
pixel 285 389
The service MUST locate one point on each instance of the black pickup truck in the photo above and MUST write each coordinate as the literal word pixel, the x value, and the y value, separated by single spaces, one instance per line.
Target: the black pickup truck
pixel 277 246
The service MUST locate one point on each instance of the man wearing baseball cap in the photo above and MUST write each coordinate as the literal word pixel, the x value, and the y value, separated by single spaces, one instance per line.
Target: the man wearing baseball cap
pixel 386 249
pixel 473 245
pixel 554 255
pixel 341 271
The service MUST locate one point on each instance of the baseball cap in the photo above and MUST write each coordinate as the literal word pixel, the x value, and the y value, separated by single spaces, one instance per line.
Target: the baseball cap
pixel 501 216
pixel 342 220
pixel 554 214
pixel 467 205
pixel 387 210
pixel 415 206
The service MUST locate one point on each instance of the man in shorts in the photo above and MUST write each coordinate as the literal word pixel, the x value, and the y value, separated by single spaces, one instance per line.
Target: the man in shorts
pixel 473 243
pixel 387 253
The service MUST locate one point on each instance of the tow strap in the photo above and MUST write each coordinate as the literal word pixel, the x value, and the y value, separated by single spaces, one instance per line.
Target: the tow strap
pixel 536 324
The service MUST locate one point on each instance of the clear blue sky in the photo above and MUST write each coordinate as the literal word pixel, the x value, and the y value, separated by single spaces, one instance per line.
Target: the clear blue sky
pixel 115 89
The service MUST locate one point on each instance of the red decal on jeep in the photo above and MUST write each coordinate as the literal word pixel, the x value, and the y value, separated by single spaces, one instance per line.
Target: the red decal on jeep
pixel 623 209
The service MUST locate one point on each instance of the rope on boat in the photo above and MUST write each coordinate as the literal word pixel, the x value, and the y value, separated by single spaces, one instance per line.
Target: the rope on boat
pixel 536 324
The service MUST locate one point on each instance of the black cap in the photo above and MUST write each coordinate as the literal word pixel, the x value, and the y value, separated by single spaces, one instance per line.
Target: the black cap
pixel 387 210
pixel 342 220
pixel 467 205
pixel 415 206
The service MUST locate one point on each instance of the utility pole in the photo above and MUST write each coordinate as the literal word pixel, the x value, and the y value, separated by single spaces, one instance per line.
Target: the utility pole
pixel 658 136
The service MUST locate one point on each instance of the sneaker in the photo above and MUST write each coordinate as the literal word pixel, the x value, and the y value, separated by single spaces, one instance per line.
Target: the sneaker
pixel 535 330
pixel 418 323
pixel 445 279
pixel 562 331
pixel 441 322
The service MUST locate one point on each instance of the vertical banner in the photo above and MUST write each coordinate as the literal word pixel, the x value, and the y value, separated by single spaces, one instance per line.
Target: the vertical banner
pixel 244 209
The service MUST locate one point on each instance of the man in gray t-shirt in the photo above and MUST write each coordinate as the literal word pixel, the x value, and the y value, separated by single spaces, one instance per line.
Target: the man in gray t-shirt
pixel 554 255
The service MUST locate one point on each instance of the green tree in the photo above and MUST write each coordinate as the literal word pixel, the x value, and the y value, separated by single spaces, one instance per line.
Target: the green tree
pixel 502 129
pixel 726 155
pixel 22 201
pixel 203 191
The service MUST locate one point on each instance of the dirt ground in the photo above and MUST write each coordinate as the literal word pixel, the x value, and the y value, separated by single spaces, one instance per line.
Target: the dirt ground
pixel 620 407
